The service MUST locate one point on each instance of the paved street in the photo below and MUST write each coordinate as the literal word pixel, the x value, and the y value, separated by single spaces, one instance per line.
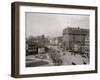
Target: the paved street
pixel 67 59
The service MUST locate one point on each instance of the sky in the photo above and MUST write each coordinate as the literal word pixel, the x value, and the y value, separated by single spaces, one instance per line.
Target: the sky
pixel 52 25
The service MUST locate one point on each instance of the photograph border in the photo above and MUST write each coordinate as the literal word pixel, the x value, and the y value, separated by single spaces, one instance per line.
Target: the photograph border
pixel 15 32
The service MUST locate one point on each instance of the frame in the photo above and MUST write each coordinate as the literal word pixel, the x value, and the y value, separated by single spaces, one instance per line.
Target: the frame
pixel 53 39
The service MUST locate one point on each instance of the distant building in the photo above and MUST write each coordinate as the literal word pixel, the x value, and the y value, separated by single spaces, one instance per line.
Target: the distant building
pixel 54 41
pixel 74 37
pixel 59 39
pixel 42 40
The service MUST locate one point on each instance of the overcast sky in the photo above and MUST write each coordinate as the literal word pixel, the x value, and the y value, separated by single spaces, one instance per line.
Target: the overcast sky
pixel 53 24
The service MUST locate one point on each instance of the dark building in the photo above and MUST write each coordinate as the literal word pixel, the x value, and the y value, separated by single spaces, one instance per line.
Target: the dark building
pixel 31 48
pixel 35 45
pixel 74 38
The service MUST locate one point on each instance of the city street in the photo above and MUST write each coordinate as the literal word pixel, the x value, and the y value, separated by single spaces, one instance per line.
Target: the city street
pixel 66 57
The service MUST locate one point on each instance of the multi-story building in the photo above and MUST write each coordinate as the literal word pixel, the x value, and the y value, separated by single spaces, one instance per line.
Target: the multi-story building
pixel 86 47
pixel 74 38
pixel 35 45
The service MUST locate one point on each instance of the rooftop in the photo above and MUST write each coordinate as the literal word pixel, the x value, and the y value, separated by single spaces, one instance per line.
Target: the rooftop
pixel 71 30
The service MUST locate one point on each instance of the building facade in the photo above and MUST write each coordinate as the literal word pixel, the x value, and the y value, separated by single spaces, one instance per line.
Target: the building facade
pixel 74 38
pixel 35 45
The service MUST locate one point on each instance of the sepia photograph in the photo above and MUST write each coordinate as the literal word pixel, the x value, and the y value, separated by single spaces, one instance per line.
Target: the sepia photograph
pixel 54 39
